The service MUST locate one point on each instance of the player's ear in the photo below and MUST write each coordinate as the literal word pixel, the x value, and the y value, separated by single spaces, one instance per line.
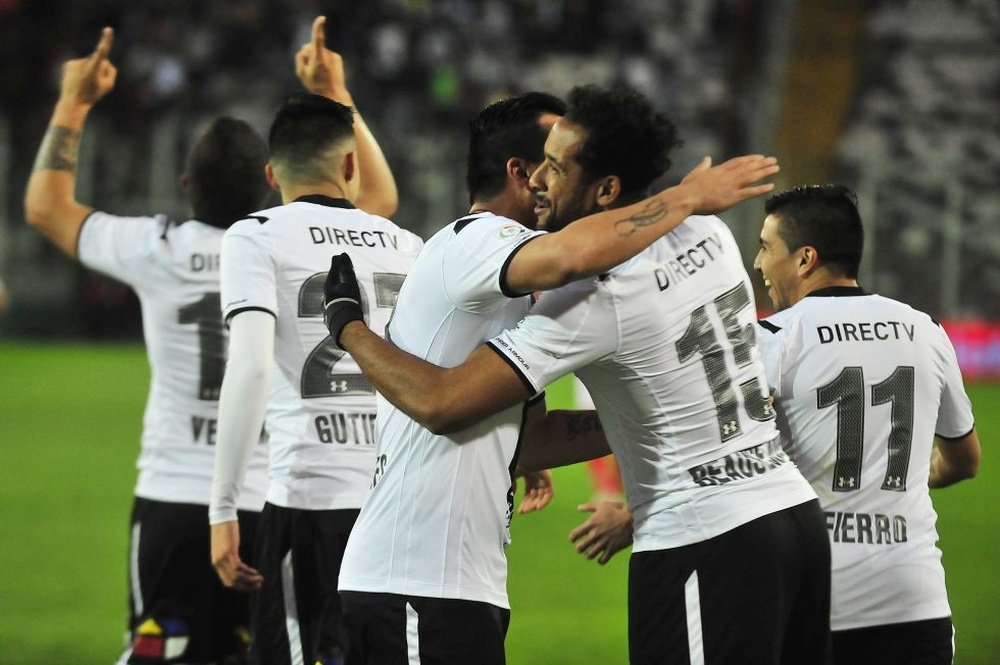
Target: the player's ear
pixel 518 169
pixel 350 166
pixel 271 179
pixel 609 188
pixel 808 260
pixel 184 182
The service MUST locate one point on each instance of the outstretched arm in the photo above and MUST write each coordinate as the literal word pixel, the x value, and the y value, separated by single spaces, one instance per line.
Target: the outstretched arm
pixel 599 242
pixel 441 399
pixel 50 202
pixel 321 71
pixel 953 460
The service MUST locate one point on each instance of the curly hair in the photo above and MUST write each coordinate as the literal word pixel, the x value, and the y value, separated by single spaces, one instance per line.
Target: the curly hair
pixel 626 136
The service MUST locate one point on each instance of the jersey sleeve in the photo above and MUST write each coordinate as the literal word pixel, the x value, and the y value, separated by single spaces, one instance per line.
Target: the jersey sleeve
pixel 247 271
pixel 477 263
pixel 955 418
pixel 121 247
pixel 568 328
pixel 771 348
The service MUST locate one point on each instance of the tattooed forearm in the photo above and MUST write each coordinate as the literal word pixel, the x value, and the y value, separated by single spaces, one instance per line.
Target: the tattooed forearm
pixel 579 424
pixel 59 150
pixel 654 212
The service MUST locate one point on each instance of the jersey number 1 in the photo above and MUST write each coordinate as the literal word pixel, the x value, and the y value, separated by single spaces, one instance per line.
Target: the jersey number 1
pixel 206 313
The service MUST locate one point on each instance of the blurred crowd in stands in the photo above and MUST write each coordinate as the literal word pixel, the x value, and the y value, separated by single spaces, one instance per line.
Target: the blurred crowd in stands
pixel 418 68
pixel 925 132
pixel 925 111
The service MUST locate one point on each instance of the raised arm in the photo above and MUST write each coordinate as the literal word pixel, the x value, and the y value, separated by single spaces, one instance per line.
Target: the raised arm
pixel 953 460
pixel 597 243
pixel 321 71
pixel 50 203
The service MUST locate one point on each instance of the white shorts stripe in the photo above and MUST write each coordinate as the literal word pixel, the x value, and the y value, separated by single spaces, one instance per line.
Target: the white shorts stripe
pixel 133 569
pixel 692 601
pixel 412 636
pixel 291 611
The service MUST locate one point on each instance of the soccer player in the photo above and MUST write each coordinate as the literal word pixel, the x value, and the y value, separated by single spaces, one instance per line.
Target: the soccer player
pixel 864 385
pixel 449 441
pixel 320 410
pixel 179 611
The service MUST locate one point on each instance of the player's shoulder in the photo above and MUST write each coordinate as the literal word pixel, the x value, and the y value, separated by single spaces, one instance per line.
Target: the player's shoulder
pixel 477 235
pixel 148 225
pixel 780 323
pixel 709 230
pixel 701 222
pixel 704 220
pixel 406 240
pixel 884 303
pixel 192 230
pixel 489 226
pixel 111 235
pixel 256 223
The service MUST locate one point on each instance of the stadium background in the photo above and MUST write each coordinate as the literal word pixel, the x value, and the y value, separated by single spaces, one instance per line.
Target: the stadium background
pixel 898 99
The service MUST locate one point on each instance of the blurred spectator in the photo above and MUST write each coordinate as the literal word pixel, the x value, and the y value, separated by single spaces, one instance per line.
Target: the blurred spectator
pixel 420 70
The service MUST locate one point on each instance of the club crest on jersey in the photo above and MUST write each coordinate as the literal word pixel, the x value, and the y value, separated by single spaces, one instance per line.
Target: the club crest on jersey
pixel 508 231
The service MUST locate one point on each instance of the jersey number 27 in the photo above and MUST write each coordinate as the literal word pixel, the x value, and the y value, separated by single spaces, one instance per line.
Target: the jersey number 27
pixel 319 375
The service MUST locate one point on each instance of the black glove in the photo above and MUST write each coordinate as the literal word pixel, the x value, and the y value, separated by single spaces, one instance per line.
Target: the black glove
pixel 341 296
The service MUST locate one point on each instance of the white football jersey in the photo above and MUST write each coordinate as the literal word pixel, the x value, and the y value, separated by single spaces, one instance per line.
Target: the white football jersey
pixel 174 269
pixel 321 410
pixel 665 345
pixel 862 383
pixel 436 520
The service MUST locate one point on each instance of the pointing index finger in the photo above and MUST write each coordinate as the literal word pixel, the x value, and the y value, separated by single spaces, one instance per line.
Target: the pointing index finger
pixel 103 47
pixel 319 37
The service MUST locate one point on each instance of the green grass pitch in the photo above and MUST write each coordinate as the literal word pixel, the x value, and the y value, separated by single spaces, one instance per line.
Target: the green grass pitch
pixel 70 417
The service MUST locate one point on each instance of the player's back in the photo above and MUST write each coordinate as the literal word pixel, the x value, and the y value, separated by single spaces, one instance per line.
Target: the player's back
pixel 679 387
pixel 862 384
pixel 436 519
pixel 174 269
pixel 321 411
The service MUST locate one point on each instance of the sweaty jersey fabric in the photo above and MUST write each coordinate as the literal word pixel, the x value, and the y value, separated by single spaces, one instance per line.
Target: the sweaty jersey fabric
pixel 665 345
pixel 321 409
pixel 174 269
pixel 436 520
pixel 862 383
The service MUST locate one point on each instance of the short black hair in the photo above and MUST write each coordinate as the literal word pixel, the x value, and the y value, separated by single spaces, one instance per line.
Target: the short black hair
pixel 626 137
pixel 226 172
pixel 304 129
pixel 507 128
pixel 825 217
